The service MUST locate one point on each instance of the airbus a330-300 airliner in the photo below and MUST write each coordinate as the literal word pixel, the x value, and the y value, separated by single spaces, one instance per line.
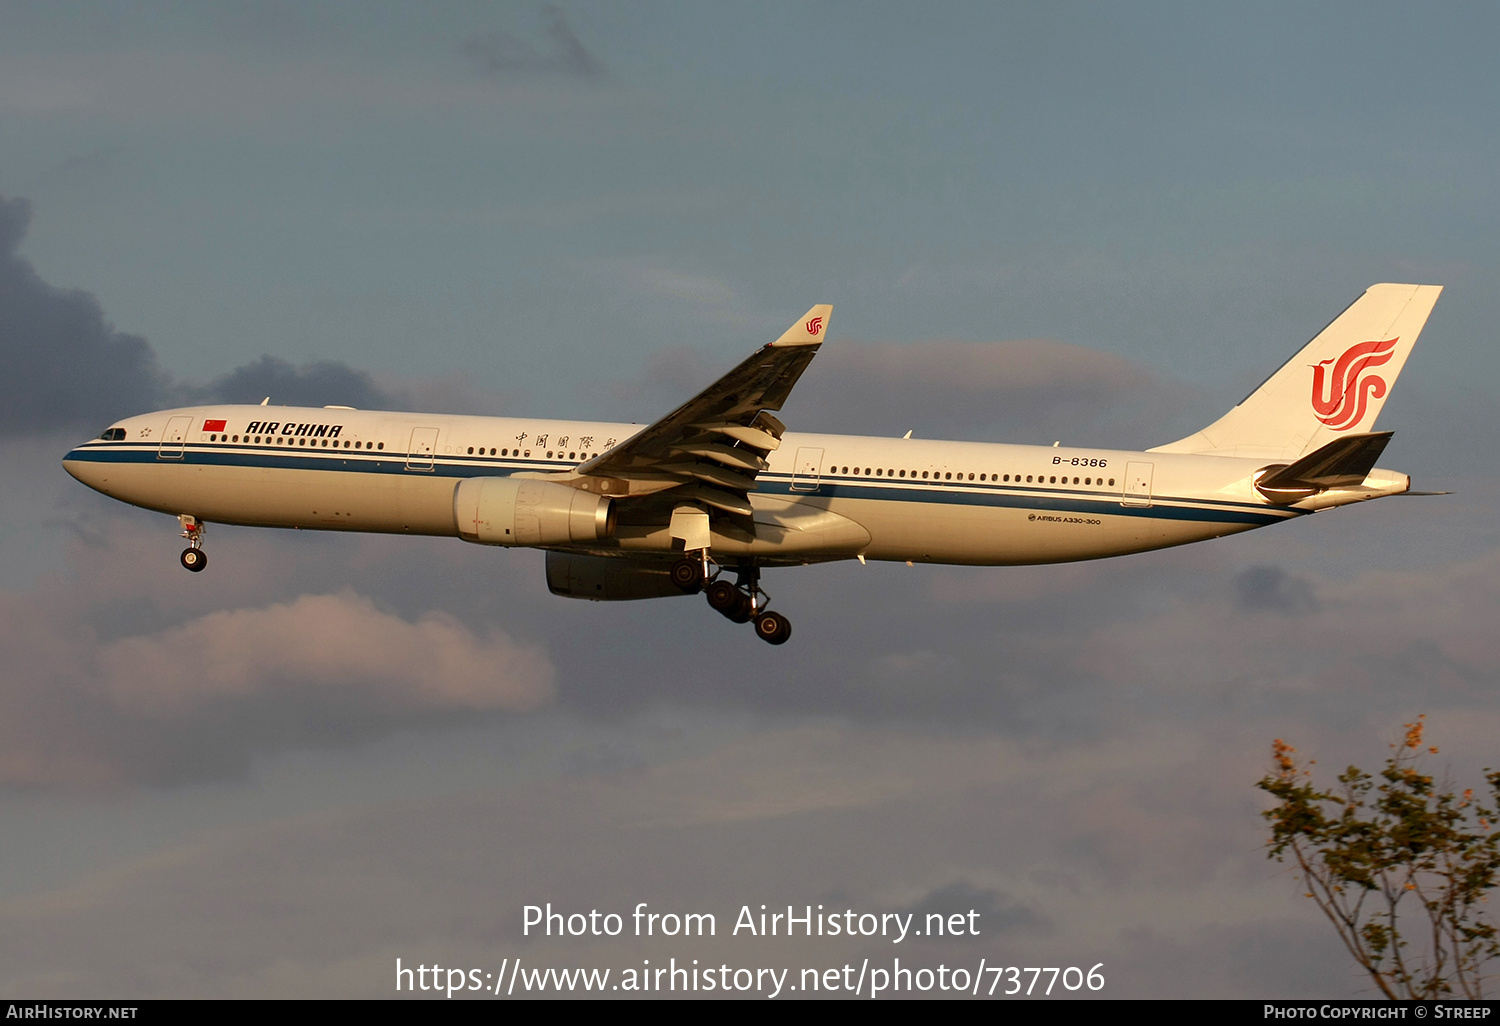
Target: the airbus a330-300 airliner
pixel 719 485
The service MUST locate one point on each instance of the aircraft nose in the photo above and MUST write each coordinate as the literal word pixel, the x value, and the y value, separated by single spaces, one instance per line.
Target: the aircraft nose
pixel 91 473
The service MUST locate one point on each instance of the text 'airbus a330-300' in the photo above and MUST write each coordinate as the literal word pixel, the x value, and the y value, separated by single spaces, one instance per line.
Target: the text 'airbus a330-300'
pixel 719 488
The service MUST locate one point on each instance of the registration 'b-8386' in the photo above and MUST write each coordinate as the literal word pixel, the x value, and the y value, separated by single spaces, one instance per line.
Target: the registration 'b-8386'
pixel 701 500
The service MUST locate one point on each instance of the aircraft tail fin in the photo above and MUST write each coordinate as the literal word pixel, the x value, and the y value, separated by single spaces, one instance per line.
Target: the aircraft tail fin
pixel 1334 387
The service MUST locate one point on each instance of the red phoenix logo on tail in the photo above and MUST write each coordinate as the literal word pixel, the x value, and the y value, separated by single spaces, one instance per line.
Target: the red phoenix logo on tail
pixel 814 326
pixel 1340 400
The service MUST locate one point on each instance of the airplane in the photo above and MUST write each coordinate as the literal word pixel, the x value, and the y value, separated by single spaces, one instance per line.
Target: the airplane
pixel 719 485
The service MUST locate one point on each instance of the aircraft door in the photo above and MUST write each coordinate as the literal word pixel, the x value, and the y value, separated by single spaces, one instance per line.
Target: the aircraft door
pixel 173 439
pixel 1137 484
pixel 807 473
pixel 423 445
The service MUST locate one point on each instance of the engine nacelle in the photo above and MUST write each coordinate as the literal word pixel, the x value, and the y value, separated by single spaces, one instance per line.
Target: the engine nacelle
pixel 608 578
pixel 507 511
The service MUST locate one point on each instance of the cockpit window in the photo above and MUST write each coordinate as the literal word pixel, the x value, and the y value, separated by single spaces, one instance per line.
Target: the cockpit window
pixel 114 434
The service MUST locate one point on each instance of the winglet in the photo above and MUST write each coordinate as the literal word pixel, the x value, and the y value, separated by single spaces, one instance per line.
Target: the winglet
pixel 809 330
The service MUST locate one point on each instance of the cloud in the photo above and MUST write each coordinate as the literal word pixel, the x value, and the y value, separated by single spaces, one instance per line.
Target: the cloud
pixel 871 821
pixel 1029 390
pixel 1022 391
pixel 1000 912
pixel 500 54
pixel 61 363
pixel 1271 588
pixel 321 641
pixel 324 383
pixel 198 699
pixel 63 366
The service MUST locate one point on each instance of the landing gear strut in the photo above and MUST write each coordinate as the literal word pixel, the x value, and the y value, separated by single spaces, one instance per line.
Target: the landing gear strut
pixel 744 601
pixel 193 557
pixel 689 574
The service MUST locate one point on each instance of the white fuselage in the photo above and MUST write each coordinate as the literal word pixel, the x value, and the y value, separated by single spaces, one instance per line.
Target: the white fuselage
pixel 822 496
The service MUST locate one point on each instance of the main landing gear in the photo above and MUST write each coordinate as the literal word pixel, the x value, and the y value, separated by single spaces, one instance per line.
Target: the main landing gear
pixel 193 557
pixel 742 601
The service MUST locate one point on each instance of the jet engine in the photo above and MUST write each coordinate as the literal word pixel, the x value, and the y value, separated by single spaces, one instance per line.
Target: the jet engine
pixel 608 578
pixel 508 511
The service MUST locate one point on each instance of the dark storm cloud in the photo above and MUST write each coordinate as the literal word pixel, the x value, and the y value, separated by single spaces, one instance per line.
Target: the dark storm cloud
pixel 61 363
pixel 64 366
pixel 500 54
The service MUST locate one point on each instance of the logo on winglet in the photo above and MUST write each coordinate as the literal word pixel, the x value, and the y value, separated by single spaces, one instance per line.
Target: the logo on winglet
pixel 1340 398
pixel 814 326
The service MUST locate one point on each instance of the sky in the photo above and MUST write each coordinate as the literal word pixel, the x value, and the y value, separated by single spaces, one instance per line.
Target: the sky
pixel 1090 222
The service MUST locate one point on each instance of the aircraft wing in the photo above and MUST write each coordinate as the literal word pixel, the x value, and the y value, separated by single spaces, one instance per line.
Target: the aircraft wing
pixel 713 445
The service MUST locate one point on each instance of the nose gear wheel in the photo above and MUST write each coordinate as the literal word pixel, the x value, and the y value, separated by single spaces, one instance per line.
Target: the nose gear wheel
pixel 193 557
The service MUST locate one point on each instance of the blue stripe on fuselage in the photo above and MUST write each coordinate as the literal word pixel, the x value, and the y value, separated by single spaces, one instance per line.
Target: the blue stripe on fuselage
pixel 938 492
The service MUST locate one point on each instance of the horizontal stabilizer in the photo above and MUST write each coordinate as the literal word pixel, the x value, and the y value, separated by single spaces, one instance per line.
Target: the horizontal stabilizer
pixel 1342 463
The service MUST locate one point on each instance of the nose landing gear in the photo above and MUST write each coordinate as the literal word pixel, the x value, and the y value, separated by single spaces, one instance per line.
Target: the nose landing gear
pixel 193 557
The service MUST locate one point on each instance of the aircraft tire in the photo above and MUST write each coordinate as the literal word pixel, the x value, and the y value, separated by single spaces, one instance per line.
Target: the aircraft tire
pixel 194 559
pixel 724 597
pixel 773 628
pixel 742 610
pixel 687 574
